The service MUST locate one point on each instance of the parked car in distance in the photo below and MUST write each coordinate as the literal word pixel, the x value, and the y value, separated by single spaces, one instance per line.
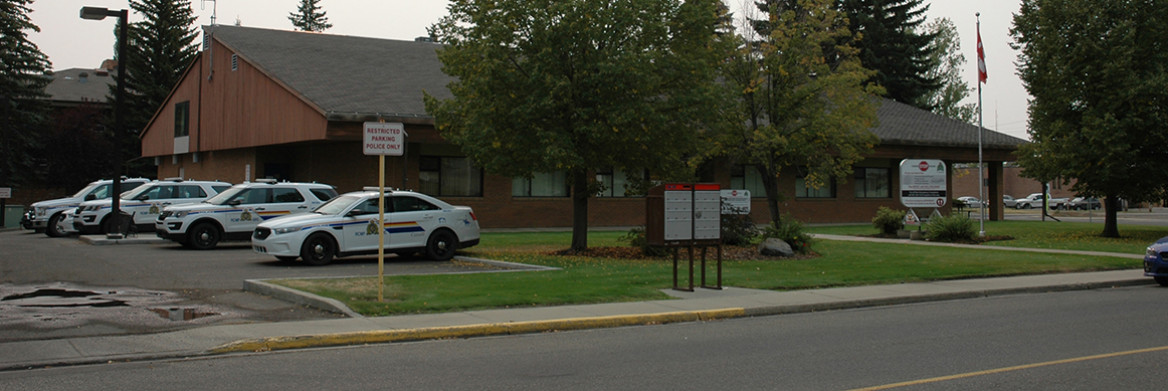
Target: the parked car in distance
pixel 348 225
pixel 970 201
pixel 234 213
pixel 1155 265
pixel 144 204
pixel 1008 201
pixel 52 216
pixel 1084 203
pixel 1034 200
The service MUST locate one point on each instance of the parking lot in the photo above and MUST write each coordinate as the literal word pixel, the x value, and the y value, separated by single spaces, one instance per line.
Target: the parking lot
pixel 64 287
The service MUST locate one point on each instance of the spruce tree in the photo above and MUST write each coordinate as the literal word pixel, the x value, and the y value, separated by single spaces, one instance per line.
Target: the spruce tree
pixel 309 17
pixel 894 44
pixel 160 49
pixel 23 108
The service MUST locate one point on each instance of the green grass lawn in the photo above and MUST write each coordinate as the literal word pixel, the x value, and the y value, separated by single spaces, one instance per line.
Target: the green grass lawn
pixel 1044 234
pixel 584 280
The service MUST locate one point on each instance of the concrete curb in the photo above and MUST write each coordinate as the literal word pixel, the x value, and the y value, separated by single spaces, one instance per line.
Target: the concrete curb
pixel 298 297
pixel 479 330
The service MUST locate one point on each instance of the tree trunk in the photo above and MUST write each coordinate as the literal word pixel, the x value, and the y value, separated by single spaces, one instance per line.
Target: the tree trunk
pixel 579 210
pixel 770 182
pixel 1110 219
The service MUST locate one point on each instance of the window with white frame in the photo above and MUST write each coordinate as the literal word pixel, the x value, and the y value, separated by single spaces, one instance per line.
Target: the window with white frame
pixel 541 184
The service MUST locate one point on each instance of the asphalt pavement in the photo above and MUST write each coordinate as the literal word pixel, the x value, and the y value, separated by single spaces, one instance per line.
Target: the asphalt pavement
pixel 700 305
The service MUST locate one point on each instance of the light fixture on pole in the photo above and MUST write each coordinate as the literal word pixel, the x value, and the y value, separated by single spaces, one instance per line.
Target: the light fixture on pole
pixel 98 13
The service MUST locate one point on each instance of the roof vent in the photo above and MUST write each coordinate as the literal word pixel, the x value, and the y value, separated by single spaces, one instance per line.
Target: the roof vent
pixel 83 77
pixel 235 62
pixel 423 39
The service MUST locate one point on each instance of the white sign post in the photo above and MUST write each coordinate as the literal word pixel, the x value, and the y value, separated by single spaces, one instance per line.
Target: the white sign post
pixel 381 139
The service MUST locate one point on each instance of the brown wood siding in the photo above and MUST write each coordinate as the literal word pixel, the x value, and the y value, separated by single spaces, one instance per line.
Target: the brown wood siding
pixel 233 109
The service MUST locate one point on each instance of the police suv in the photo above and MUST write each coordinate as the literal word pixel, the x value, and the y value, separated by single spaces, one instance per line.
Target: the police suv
pixel 144 204
pixel 234 213
pixel 348 225
pixel 52 216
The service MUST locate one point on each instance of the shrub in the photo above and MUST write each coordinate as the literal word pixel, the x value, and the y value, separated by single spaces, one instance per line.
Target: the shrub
pixel 789 230
pixel 738 229
pixel 888 220
pixel 952 228
pixel 636 238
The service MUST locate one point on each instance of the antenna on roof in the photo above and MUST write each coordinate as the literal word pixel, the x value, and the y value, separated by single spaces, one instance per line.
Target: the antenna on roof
pixel 214 8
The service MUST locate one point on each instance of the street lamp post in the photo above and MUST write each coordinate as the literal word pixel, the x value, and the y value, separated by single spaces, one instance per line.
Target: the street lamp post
pixel 98 13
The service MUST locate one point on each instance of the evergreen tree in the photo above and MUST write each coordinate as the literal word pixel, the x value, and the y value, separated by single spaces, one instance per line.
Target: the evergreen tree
pixel 23 109
pixel 309 17
pixel 892 43
pixel 160 49
pixel 946 55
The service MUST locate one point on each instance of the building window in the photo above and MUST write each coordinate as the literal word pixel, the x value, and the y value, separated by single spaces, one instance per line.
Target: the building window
pixel 803 191
pixel 182 119
pixel 747 178
pixel 873 182
pixel 541 184
pixel 617 183
pixel 234 62
pixel 449 176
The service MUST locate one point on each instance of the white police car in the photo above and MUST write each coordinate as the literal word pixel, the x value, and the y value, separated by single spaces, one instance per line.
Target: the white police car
pixel 234 213
pixel 348 225
pixel 52 216
pixel 144 204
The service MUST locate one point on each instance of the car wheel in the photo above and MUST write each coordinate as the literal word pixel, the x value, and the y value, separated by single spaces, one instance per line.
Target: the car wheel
pixel 319 249
pixel 441 245
pixel 1163 281
pixel 1025 206
pixel 108 226
pixel 203 236
pixel 56 228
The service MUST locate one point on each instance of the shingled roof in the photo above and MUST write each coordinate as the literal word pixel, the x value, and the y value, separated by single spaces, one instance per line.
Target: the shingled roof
pixel 77 85
pixel 344 75
pixel 352 77
pixel 901 124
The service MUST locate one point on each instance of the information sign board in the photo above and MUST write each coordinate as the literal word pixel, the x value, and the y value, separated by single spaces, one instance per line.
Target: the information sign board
pixel 735 201
pixel 923 183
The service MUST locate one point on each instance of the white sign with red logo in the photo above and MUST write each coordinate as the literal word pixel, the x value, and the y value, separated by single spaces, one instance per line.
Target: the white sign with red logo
pixel 735 202
pixel 923 183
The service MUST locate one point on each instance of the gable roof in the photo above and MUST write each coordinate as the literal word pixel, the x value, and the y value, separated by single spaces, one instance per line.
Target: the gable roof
pixel 902 124
pixel 343 75
pixel 349 78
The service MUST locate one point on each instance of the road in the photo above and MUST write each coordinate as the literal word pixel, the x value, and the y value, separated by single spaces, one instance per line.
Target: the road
pixel 1081 340
pixel 120 289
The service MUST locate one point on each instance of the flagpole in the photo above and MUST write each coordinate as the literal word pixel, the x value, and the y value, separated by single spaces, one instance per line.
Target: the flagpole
pixel 980 129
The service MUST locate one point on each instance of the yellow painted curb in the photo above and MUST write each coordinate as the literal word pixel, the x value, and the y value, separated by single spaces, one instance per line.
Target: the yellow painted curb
pixel 404 335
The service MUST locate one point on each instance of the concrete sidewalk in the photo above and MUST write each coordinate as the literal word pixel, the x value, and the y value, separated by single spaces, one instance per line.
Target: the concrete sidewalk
pixel 702 305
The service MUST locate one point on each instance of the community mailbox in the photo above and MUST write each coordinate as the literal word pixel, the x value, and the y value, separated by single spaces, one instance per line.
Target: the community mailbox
pixel 923 183
pixel 684 214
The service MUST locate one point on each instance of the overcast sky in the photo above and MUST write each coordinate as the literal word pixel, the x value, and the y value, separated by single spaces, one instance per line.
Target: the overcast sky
pixel 71 42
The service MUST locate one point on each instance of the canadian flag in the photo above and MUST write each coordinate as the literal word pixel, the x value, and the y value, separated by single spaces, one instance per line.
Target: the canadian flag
pixel 981 68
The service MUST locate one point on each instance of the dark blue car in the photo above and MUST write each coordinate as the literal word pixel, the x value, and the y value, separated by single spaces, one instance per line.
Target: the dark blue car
pixel 1155 265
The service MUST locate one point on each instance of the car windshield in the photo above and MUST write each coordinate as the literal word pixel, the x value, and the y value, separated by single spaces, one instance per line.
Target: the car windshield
pixel 338 205
pixel 132 194
pixel 221 198
pixel 85 191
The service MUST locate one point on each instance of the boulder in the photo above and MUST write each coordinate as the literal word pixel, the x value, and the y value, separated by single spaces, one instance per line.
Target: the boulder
pixel 774 246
